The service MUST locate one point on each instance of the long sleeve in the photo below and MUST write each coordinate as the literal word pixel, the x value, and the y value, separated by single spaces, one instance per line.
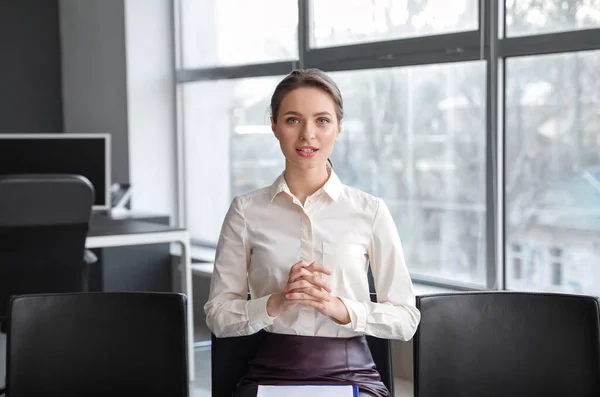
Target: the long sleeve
pixel 228 312
pixel 395 315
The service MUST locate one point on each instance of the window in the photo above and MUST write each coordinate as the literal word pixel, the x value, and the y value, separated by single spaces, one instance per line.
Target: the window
pixel 234 32
pixel 413 136
pixel 552 167
pixel 526 17
pixel 478 126
pixel 341 22
pixel 229 147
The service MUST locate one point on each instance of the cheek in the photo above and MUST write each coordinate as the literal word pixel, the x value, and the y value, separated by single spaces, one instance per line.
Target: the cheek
pixel 286 135
pixel 329 133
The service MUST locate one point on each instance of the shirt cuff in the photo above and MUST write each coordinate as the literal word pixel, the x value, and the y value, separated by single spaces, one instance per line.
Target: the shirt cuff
pixel 258 317
pixel 358 315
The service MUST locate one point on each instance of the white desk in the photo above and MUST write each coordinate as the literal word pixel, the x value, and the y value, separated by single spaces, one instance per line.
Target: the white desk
pixel 106 232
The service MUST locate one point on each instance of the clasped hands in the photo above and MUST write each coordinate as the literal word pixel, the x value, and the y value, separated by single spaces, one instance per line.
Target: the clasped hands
pixel 306 286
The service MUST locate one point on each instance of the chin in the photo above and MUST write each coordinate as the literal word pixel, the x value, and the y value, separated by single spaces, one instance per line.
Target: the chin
pixel 308 164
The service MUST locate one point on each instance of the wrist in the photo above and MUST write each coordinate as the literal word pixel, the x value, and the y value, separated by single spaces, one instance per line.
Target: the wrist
pixel 342 316
pixel 272 306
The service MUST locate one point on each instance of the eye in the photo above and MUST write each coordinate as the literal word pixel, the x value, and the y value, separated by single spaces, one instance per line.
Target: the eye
pixel 292 120
pixel 323 120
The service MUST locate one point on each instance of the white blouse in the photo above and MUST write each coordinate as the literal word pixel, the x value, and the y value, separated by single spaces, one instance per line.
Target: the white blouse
pixel 267 231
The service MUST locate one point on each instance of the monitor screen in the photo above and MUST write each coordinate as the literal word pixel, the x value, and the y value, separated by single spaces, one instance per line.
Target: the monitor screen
pixel 81 154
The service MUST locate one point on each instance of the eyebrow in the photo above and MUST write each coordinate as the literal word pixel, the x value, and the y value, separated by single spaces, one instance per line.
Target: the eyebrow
pixel 314 115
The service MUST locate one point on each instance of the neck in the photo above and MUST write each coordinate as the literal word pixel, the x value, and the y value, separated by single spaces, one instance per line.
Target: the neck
pixel 303 183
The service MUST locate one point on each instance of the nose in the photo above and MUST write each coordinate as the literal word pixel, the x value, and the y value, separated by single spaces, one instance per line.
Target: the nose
pixel 307 133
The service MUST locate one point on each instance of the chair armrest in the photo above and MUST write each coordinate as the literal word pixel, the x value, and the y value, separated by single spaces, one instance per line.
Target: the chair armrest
pixel 89 257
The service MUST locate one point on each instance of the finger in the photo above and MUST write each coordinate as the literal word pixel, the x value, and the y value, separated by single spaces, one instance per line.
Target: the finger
pixel 319 305
pixel 314 267
pixel 319 282
pixel 313 303
pixel 308 293
pixel 298 285
pixel 300 265
pixel 296 274
pixel 295 296
pixel 309 281
pixel 302 272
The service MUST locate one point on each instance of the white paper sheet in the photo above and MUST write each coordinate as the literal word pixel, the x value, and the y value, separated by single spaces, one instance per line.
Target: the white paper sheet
pixel 304 391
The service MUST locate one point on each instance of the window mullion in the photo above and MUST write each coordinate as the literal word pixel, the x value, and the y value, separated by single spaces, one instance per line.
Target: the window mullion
pixel 304 31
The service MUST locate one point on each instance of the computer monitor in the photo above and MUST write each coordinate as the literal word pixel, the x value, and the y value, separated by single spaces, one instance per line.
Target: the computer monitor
pixel 87 155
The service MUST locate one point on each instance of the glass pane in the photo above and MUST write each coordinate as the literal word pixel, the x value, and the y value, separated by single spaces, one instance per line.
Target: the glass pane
pixel 229 147
pixel 342 22
pixel 552 190
pixel 524 17
pixel 413 136
pixel 416 137
pixel 236 32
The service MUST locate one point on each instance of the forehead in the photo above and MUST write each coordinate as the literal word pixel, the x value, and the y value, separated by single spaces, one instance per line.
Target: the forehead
pixel 307 99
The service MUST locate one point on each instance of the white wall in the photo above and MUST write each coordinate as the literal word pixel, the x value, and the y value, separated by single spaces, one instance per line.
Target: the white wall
pixel 207 128
pixel 151 105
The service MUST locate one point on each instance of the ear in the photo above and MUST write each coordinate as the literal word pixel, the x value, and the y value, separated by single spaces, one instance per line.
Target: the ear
pixel 273 128
pixel 339 130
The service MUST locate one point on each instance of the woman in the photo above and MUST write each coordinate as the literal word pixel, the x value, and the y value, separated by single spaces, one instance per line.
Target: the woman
pixel 303 246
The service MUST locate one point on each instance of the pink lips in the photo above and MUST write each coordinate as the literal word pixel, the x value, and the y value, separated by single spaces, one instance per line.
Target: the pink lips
pixel 307 151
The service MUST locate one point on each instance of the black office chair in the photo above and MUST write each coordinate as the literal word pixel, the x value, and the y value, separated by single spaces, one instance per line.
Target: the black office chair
pixel 43 227
pixel 97 344
pixel 499 344
pixel 230 359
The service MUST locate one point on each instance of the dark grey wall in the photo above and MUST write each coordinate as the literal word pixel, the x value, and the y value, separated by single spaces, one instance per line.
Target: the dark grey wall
pixel 94 74
pixel 30 67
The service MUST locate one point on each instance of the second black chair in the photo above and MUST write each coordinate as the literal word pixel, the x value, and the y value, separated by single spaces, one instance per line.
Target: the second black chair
pixel 499 344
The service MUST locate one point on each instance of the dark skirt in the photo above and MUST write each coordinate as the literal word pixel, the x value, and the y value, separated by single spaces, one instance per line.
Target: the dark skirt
pixel 293 359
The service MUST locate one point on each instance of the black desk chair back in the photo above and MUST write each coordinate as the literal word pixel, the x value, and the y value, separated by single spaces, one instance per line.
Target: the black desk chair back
pixel 230 358
pixel 499 344
pixel 43 226
pixel 97 344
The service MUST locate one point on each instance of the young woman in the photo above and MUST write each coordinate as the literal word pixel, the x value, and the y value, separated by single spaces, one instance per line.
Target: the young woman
pixel 303 246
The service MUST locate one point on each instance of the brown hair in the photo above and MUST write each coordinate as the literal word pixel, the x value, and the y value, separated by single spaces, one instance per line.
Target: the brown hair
pixel 306 78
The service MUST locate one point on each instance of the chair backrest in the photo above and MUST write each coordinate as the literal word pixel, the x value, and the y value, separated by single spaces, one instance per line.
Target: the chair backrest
pixel 230 358
pixel 43 226
pixel 97 344
pixel 498 344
